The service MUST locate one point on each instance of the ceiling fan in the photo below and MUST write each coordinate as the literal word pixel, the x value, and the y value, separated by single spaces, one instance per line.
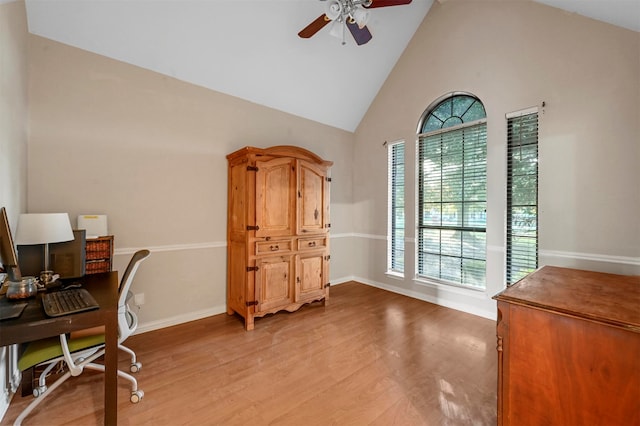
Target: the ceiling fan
pixel 352 14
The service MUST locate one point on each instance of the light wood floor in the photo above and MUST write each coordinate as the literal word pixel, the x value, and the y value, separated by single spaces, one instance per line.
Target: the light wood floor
pixel 369 357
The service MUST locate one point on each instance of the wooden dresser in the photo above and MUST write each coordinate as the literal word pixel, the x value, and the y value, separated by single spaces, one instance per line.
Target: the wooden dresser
pixel 277 230
pixel 569 349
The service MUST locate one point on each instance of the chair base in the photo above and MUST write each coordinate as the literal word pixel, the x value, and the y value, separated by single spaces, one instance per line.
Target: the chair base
pixel 43 390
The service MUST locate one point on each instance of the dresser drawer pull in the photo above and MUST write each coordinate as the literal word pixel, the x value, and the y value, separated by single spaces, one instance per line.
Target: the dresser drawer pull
pixel 312 243
pixel 274 248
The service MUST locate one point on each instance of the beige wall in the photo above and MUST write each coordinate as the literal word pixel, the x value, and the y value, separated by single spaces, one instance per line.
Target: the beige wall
pixel 13 147
pixel 149 151
pixel 514 55
pixel 13 108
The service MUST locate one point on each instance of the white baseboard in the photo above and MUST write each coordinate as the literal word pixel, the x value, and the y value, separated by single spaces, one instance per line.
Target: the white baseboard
pixel 216 310
pixel 180 319
pixel 343 280
pixel 464 307
pixel 604 258
pixel 205 313
pixel 458 306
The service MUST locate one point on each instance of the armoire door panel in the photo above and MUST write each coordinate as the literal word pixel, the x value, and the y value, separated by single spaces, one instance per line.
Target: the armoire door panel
pixel 274 279
pixel 275 201
pixel 312 208
pixel 310 279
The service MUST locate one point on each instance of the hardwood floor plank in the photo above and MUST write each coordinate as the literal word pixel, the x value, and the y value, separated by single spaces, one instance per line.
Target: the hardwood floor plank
pixel 370 357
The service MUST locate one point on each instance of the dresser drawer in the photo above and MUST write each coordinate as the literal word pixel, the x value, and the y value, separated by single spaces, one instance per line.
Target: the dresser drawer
pixel 312 243
pixel 267 247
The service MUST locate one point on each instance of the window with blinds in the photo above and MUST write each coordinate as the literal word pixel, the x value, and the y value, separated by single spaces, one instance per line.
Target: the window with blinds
pixel 395 237
pixel 522 195
pixel 452 192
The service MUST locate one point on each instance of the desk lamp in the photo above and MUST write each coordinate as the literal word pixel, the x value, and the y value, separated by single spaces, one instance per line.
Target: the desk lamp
pixel 44 228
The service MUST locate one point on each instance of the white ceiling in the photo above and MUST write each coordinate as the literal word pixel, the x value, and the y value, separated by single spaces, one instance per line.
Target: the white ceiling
pixel 250 48
pixel 623 13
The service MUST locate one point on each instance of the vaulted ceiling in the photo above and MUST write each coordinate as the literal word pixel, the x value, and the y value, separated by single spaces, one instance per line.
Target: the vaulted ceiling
pixel 250 48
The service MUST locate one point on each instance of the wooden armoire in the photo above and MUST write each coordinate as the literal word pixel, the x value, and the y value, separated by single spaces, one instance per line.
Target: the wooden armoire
pixel 277 230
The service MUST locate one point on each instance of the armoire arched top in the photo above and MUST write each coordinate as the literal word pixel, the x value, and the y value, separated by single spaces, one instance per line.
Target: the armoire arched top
pixel 280 151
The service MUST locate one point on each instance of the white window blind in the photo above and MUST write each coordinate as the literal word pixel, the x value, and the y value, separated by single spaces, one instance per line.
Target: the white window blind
pixel 395 257
pixel 522 196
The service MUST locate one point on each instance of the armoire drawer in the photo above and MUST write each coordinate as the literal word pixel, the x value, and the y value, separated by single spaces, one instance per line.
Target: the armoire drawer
pixel 267 247
pixel 312 243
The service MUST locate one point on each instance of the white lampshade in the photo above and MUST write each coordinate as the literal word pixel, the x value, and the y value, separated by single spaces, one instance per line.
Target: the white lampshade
pixel 333 9
pixel 361 16
pixel 43 228
pixel 336 29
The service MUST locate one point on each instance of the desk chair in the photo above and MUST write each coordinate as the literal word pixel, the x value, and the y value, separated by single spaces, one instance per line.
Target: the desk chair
pixel 80 352
pixel 127 319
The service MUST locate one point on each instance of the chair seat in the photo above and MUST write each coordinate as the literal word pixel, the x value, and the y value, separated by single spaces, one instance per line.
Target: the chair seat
pixel 43 350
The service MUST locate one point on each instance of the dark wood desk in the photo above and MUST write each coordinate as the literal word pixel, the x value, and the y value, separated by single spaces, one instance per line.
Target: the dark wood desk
pixel 33 325
pixel 569 349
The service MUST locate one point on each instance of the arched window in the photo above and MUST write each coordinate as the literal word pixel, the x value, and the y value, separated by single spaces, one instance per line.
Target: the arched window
pixel 452 191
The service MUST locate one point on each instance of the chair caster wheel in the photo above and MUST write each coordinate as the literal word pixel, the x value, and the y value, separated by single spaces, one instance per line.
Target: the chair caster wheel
pixel 39 391
pixel 135 367
pixel 136 396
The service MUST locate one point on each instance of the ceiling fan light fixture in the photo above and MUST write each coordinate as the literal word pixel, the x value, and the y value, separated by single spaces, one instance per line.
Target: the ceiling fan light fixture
pixel 333 9
pixel 347 14
pixel 361 17
pixel 336 29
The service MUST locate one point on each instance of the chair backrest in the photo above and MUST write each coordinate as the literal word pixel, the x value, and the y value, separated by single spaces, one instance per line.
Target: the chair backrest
pixel 125 326
pixel 130 272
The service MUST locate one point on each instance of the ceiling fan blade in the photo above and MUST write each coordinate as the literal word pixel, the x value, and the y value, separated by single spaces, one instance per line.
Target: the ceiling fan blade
pixel 385 3
pixel 361 35
pixel 314 27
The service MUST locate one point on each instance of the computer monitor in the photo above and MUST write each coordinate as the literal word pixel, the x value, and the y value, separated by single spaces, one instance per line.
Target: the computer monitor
pixel 8 257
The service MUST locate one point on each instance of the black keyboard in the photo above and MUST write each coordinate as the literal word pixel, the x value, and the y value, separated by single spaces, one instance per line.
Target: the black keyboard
pixel 67 302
